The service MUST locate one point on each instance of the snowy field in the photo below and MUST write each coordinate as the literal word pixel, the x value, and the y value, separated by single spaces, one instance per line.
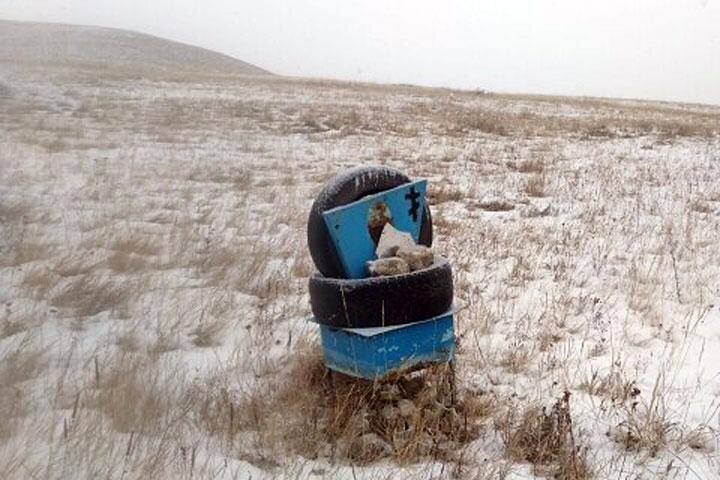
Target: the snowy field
pixel 153 271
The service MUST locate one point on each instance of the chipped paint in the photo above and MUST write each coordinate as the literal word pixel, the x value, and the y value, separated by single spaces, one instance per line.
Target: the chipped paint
pixel 374 356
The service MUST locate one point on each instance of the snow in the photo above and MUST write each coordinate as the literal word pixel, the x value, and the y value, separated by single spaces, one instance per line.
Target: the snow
pixel 140 215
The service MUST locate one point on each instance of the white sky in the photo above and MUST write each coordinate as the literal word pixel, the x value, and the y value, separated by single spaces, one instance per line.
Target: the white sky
pixel 657 49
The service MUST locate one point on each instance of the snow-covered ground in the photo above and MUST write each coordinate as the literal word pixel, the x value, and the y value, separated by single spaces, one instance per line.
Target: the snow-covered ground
pixel 153 260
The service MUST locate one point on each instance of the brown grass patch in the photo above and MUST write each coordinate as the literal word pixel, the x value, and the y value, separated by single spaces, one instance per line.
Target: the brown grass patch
pixel 128 341
pixel 40 281
pixel 13 211
pixel 700 206
pixel 516 358
pixel 240 178
pixel 134 395
pixel 20 361
pixel 247 268
pixel 545 438
pixel 207 332
pixel 496 206
pixel 644 430
pixel 89 295
pixel 532 165
pixel 314 412
pixel 25 252
pixel 133 243
pixel 444 193
pixel 122 262
pixel 535 186
pixel 9 327
pixel 647 426
pixel 70 266
pixel 612 386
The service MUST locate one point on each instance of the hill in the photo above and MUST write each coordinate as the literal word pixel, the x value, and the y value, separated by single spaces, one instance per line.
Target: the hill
pixel 48 43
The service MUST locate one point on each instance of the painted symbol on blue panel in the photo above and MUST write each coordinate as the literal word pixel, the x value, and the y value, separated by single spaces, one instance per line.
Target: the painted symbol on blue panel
pixel 413 196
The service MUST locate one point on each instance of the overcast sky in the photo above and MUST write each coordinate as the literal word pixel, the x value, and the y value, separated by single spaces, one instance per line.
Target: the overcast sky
pixel 657 49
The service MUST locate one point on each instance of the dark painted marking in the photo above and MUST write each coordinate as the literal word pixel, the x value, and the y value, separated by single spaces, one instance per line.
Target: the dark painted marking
pixel 413 196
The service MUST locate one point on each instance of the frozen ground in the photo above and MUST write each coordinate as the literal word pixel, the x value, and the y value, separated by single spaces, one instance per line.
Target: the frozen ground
pixel 153 257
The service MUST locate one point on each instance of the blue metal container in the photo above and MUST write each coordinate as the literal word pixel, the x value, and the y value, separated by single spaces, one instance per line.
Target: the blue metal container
pixel 374 352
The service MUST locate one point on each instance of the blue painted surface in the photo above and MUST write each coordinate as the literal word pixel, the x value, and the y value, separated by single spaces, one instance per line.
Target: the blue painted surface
pixel 374 356
pixel 348 224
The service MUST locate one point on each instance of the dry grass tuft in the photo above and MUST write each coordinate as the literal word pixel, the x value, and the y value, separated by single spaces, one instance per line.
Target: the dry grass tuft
pixel 23 252
pixel 240 178
pixel 612 386
pixel 647 426
pixel 130 395
pixel 700 206
pixel 516 358
pixel 644 430
pixel 460 121
pixel 71 265
pixel 121 262
pixel 89 295
pixel 40 281
pixel 314 412
pixel 207 333
pixel 13 211
pixel 8 327
pixel 20 361
pixel 444 193
pixel 139 245
pixel 546 439
pixel 128 342
pixel 496 206
pixel 535 186
pixel 532 165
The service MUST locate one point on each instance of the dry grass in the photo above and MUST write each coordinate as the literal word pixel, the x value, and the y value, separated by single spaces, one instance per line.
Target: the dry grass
pixel 73 265
pixel 535 186
pixel 496 206
pixel 649 427
pixel 190 238
pixel 121 262
pixel 545 438
pixel 612 386
pixel 91 294
pixel 8 327
pixel 644 430
pixel 239 178
pixel 444 193
pixel 130 394
pixel 21 360
pixel 13 212
pixel 516 358
pixel 131 243
pixel 40 281
pixel 700 206
pixel 532 165
pixel 128 342
pixel 208 332
pixel 313 412
pixel 22 252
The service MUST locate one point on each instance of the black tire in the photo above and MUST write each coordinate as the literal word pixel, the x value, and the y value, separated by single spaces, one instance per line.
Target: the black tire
pixel 378 301
pixel 347 188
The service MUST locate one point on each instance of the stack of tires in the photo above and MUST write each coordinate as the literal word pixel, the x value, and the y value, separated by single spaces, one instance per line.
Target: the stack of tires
pixel 342 302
